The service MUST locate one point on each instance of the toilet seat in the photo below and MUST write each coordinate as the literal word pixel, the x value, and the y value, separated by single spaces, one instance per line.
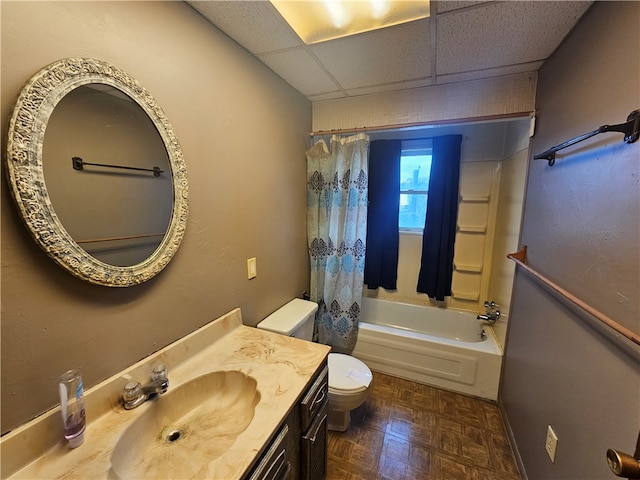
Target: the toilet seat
pixel 348 374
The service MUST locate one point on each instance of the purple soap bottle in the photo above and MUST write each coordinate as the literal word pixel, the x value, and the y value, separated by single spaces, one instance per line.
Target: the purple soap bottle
pixel 72 407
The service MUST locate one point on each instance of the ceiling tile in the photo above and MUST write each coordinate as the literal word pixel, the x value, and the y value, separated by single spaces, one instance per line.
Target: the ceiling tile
pixel 381 57
pixel 256 25
pixel 300 70
pixel 503 33
pixel 474 39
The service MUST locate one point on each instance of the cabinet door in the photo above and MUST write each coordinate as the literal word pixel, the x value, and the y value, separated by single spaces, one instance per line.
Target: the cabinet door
pixel 275 463
pixel 314 448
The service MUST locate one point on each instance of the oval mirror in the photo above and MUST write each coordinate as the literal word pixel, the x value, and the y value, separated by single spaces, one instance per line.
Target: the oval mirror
pixel 97 172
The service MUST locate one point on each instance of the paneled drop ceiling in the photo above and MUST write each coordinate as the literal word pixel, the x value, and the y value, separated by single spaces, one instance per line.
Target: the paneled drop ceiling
pixel 462 40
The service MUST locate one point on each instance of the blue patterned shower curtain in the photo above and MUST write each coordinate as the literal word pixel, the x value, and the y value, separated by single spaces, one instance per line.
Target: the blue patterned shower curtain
pixel 336 232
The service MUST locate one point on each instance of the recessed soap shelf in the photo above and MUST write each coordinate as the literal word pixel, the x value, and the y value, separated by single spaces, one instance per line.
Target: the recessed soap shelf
pixel 471 296
pixel 472 228
pixel 468 268
pixel 475 198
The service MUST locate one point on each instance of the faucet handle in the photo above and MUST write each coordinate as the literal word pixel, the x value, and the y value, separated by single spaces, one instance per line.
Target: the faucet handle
pixel 131 393
pixel 491 305
pixel 159 373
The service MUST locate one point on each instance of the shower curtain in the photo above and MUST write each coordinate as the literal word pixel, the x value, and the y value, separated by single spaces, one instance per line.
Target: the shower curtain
pixel 336 233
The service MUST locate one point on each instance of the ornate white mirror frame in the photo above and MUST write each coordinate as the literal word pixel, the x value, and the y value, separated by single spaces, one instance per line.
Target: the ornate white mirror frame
pixel 26 175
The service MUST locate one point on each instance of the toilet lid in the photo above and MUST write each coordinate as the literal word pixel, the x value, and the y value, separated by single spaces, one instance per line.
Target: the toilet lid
pixel 348 373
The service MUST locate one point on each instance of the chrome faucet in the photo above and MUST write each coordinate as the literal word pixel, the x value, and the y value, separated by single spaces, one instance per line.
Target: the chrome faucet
pixel 135 394
pixel 491 315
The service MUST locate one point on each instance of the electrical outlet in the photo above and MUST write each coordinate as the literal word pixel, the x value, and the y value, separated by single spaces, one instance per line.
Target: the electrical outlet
pixel 551 443
pixel 252 271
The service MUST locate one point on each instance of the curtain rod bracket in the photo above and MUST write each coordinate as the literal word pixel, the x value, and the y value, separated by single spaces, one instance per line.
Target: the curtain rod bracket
pixel 631 130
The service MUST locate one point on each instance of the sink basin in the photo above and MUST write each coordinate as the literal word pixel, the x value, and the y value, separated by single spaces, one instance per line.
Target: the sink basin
pixel 188 427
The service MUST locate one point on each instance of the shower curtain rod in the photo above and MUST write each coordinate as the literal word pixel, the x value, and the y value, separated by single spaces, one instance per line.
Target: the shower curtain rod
pixel 401 126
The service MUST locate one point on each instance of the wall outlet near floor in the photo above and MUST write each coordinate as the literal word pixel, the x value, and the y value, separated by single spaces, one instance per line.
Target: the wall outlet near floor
pixel 551 443
pixel 252 271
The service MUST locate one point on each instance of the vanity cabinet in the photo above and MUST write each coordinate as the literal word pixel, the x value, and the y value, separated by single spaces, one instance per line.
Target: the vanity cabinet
pixel 298 448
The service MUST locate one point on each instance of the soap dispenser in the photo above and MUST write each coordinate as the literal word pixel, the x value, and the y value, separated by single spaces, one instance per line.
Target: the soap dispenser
pixel 72 407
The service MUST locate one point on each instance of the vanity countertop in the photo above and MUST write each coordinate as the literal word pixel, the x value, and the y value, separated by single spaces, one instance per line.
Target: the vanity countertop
pixel 281 365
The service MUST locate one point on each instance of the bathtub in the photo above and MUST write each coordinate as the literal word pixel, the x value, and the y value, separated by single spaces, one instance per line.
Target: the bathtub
pixel 445 348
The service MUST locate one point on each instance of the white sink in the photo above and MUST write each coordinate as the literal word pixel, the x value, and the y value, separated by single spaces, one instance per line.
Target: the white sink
pixel 185 429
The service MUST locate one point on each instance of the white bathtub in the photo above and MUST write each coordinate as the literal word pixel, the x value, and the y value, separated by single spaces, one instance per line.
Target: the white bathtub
pixel 440 347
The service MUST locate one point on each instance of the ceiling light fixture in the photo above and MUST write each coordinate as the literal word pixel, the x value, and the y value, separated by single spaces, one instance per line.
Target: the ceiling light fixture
pixel 320 20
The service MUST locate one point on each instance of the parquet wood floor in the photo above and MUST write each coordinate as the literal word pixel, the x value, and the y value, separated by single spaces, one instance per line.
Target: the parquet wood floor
pixel 409 431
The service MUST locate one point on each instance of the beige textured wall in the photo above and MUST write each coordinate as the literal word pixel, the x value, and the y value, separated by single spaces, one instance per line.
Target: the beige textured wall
pixel 243 132
pixel 507 95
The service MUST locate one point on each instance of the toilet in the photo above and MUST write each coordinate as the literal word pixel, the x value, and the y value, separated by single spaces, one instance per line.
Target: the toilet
pixel 349 378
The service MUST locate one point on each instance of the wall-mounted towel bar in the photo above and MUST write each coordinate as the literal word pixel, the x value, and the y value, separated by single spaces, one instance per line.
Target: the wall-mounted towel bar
pixel 78 164
pixel 520 258
pixel 631 130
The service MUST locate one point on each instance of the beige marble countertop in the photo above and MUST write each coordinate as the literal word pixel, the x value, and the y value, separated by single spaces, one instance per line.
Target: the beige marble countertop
pixel 282 367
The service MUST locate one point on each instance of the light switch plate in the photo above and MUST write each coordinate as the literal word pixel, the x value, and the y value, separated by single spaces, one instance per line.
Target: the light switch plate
pixel 252 271
pixel 551 443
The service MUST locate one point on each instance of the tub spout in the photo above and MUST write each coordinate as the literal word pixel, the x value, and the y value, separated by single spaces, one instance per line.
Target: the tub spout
pixel 491 315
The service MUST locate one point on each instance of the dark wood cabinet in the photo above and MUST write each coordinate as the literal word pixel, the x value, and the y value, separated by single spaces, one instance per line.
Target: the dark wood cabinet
pixel 298 447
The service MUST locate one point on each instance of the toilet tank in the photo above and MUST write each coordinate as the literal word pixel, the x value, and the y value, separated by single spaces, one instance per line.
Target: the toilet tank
pixel 294 319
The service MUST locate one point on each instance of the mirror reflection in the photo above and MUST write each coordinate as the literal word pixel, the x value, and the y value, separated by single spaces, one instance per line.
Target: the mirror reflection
pixel 115 227
pixel 118 215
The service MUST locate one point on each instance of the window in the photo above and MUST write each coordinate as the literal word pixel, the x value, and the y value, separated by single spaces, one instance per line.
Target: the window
pixel 415 170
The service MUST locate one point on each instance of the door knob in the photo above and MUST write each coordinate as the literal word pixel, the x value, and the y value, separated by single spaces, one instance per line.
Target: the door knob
pixel 623 465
